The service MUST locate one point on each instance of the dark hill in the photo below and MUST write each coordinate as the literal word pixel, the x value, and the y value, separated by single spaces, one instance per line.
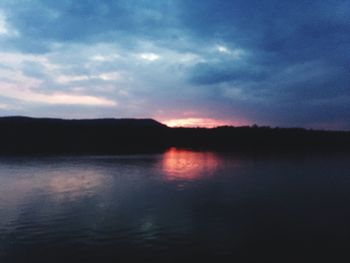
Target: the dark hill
pixel 23 135
pixel 19 120
pixel 44 135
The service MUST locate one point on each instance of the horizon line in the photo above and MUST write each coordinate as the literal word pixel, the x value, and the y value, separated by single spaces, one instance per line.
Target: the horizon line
pixel 183 127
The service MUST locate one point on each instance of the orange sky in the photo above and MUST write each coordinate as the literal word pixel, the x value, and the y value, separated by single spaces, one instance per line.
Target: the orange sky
pixel 201 122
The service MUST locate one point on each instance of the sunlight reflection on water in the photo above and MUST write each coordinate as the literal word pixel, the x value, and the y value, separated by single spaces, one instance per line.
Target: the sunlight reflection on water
pixel 77 184
pixel 187 165
pixel 71 183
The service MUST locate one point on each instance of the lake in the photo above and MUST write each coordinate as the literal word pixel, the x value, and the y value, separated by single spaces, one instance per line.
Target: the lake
pixel 180 205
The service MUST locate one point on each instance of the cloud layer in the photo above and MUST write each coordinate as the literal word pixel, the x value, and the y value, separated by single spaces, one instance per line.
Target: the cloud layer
pixel 280 63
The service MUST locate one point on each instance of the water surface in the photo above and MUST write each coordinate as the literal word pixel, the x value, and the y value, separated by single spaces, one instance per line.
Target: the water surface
pixel 180 205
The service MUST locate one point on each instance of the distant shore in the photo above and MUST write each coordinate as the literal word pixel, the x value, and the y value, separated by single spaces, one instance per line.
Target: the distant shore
pixel 23 135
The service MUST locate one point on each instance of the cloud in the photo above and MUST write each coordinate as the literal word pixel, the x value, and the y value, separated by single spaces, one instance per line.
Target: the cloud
pixel 6 30
pixel 149 56
pixel 70 99
pixel 270 62
pixel 3 25
pixel 56 98
pixel 4 106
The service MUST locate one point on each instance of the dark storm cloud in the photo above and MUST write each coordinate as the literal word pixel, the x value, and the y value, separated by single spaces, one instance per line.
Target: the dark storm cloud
pixel 212 73
pixel 279 33
pixel 299 51
pixel 272 62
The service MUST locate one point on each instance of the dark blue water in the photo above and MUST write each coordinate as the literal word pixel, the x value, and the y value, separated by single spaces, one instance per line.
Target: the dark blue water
pixel 177 206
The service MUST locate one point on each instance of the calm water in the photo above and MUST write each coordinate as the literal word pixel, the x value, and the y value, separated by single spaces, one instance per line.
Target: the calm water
pixel 180 205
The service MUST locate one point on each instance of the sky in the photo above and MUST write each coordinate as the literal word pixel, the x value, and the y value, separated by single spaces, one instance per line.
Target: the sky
pixel 190 63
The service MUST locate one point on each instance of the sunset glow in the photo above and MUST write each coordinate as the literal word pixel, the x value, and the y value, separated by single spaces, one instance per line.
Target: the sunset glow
pixel 196 122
